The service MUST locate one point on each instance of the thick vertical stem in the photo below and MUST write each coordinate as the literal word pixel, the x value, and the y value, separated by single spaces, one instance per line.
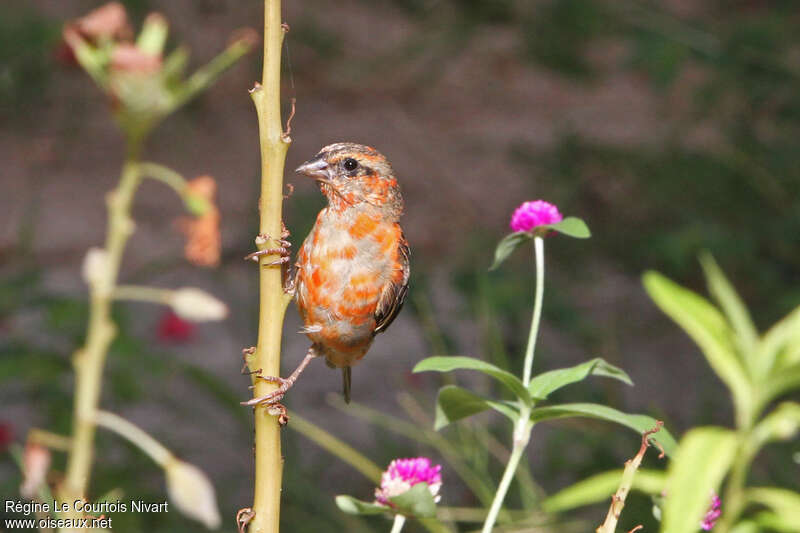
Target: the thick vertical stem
pixel 273 144
pixel 89 360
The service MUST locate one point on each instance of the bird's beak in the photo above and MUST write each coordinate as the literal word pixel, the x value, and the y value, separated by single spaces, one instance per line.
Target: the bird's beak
pixel 316 168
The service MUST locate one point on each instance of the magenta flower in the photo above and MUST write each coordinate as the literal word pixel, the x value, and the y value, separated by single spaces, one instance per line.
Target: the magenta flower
pixel 403 474
pixel 532 214
pixel 713 513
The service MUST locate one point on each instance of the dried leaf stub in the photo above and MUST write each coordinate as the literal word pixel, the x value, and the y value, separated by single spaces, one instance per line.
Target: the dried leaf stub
pixel 203 239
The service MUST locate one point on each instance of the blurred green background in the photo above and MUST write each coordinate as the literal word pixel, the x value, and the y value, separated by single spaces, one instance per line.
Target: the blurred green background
pixel 670 127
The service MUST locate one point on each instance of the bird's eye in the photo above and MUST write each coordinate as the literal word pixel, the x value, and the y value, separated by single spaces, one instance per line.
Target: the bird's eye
pixel 350 164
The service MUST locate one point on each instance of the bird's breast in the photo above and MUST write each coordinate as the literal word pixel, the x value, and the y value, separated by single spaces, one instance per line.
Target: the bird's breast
pixel 342 269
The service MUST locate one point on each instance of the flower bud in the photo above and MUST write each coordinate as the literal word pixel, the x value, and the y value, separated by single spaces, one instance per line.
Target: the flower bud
pixel 198 306
pixel 94 265
pixel 35 462
pixel 192 492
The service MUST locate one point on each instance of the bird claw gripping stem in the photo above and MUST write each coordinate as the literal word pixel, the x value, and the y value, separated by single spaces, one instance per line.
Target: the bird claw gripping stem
pixel 272 399
pixel 282 249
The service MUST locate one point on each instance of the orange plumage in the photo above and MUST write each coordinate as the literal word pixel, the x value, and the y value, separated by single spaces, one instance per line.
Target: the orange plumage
pixel 352 270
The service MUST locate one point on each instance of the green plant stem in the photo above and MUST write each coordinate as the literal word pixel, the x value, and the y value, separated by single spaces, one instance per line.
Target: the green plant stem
pixel 538 252
pixel 135 435
pixel 625 484
pixel 399 522
pixel 140 293
pixel 273 300
pixel 734 499
pixel 522 432
pixel 89 360
pixel 523 426
pixel 165 175
pixel 48 439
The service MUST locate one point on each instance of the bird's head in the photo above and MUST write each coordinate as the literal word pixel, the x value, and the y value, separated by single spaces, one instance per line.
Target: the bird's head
pixel 354 175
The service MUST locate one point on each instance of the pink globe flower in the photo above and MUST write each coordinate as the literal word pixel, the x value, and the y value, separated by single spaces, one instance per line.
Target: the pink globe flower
pixel 713 513
pixel 403 474
pixel 532 214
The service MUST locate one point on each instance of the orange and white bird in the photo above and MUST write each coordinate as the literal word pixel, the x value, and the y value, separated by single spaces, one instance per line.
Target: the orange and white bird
pixel 351 274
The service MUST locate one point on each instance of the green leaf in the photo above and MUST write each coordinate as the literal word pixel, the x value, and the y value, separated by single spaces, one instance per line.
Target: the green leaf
pixel 769 521
pixel 640 423
pixel 733 307
pixel 416 501
pixel 781 344
pixel 782 382
pixel 545 383
pixel 600 487
pixel 746 526
pixel 785 503
pixel 455 403
pixel 571 227
pixel 697 469
pixel 782 423
pixel 507 245
pixel 707 327
pixel 350 505
pixel 441 363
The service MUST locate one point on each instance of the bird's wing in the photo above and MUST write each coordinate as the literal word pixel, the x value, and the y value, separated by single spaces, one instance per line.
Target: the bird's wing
pixel 394 293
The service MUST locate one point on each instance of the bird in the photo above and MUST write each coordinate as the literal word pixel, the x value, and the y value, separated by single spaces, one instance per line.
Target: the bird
pixel 351 275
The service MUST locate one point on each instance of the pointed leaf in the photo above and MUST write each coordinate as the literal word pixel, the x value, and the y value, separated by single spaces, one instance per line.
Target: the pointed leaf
pixel 350 505
pixel 707 327
pixel 416 501
pixel 545 383
pixel 769 521
pixel 600 487
pixel 455 403
pixel 781 344
pixel 447 363
pixel 782 423
pixel 698 467
pixel 639 423
pixel 784 502
pixel 507 245
pixel 571 227
pixel 733 307
pixel 786 380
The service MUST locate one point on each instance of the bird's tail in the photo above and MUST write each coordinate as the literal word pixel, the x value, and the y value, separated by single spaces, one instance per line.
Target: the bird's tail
pixel 346 372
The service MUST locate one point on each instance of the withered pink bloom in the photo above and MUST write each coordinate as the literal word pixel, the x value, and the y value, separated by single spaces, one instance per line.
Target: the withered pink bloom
pixel 107 21
pixel 532 214
pixel 403 474
pixel 36 463
pixel 713 513
pixel 127 57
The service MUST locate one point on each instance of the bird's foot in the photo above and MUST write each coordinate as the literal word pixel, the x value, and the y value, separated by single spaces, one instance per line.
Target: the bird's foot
pixel 273 397
pixel 281 250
